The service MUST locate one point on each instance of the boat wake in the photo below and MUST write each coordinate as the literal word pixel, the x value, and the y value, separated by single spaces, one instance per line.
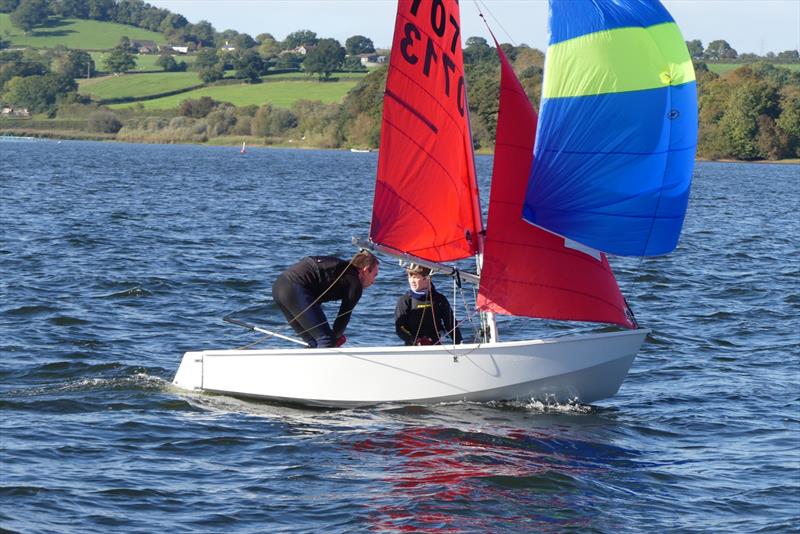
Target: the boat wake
pixel 138 381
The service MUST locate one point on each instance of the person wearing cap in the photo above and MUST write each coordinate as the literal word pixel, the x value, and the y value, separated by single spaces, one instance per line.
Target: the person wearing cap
pixel 422 312
pixel 301 289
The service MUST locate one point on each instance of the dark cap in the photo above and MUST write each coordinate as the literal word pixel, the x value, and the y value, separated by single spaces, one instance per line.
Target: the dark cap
pixel 414 268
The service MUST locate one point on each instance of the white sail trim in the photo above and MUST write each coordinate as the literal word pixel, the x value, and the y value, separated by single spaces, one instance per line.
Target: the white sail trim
pixel 580 247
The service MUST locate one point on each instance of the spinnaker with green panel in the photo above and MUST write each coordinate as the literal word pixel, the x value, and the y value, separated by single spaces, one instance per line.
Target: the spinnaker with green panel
pixel 617 128
pixel 608 172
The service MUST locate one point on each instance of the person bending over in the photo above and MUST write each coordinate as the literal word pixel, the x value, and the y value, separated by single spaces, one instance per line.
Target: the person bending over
pixel 301 289
pixel 422 312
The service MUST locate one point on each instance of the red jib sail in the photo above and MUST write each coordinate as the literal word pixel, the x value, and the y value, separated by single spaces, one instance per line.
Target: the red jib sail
pixel 426 200
pixel 528 271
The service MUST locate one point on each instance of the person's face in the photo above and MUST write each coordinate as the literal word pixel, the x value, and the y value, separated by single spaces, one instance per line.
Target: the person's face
pixel 368 275
pixel 417 282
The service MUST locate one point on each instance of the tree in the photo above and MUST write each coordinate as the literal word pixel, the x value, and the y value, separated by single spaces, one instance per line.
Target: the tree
pixel 120 60
pixel 7 6
pixel 102 9
pixel 482 80
pixel 353 64
pixel 243 41
pixel 509 50
pixel 71 9
pixel 30 13
pixel 173 21
pixel 211 74
pixel 268 47
pixel 289 61
pixel 324 58
pixel 15 64
pixel 477 50
pixel 358 44
pixel 205 58
pixel 695 47
pixel 167 62
pixel 104 121
pixel 130 12
pixel 125 44
pixel 789 119
pixel 198 108
pixel 203 33
pixel 76 64
pixel 719 50
pixel 39 93
pixel 272 122
pixel 249 65
pixel 300 38
pixel 740 123
pixel 527 57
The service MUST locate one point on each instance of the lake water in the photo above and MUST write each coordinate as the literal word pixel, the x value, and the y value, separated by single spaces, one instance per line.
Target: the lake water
pixel 115 259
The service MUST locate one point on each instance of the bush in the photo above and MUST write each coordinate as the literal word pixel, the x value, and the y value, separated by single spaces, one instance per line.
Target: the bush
pixel 104 121
pixel 221 121
pixel 243 126
pixel 271 121
pixel 197 108
pixel 211 74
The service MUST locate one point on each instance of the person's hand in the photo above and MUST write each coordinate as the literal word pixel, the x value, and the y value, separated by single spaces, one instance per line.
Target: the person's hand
pixel 424 340
pixel 340 340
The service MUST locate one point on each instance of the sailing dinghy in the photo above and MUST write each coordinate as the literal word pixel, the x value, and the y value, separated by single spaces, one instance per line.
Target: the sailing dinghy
pixel 608 172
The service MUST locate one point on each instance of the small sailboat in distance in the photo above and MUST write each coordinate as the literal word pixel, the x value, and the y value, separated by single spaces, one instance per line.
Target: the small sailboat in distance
pixel 618 117
pixel 244 148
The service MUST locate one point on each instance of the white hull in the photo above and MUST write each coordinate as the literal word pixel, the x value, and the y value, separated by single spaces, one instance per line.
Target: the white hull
pixel 582 368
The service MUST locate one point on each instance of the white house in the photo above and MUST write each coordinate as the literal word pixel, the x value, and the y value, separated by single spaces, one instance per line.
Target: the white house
pixel 371 60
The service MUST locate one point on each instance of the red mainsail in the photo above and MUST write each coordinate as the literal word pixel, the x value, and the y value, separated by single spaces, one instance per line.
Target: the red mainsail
pixel 426 199
pixel 528 271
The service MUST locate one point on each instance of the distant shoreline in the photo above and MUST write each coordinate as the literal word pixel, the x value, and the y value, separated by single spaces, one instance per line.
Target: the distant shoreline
pixel 72 135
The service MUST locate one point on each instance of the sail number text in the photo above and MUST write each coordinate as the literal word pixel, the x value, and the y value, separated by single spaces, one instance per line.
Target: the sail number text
pixel 439 23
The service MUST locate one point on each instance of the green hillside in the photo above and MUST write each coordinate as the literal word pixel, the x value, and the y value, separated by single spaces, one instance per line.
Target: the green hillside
pixel 137 85
pixel 279 94
pixel 75 33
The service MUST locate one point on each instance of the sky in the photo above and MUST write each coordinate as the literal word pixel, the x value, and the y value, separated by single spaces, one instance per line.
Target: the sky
pixel 755 26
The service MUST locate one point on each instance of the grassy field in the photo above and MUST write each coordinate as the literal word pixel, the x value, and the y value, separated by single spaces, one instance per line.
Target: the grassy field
pixel 74 33
pixel 137 85
pixel 144 62
pixel 723 68
pixel 279 93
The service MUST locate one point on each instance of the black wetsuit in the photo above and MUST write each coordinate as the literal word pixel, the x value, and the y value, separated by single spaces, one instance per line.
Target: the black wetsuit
pixel 417 316
pixel 317 279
